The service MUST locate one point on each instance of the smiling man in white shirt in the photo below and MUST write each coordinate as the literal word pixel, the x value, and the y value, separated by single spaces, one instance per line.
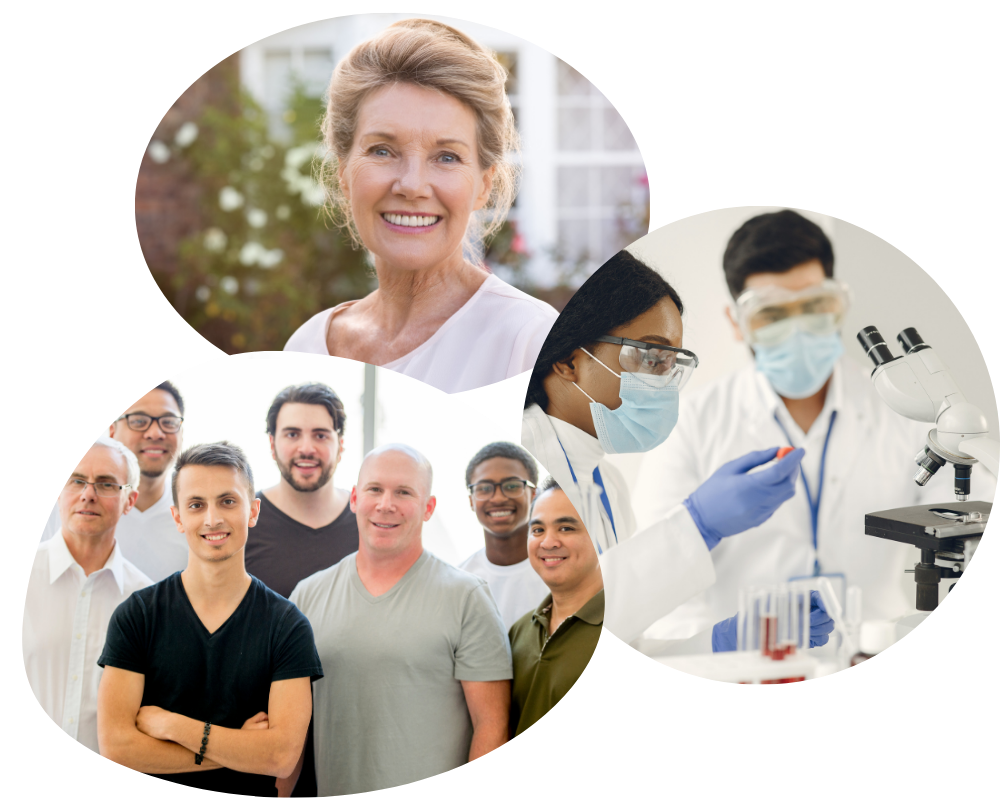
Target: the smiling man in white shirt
pixel 77 580
pixel 151 429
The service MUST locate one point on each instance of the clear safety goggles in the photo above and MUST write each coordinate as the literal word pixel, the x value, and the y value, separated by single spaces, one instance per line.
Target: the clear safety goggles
pixel 643 358
pixel 770 314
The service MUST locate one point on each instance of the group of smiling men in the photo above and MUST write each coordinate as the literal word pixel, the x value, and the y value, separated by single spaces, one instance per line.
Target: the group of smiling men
pixel 215 609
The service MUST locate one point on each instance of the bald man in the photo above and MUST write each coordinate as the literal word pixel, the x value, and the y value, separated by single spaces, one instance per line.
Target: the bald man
pixel 415 651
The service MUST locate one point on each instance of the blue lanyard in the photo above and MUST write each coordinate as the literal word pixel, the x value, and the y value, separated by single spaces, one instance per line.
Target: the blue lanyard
pixel 604 495
pixel 813 504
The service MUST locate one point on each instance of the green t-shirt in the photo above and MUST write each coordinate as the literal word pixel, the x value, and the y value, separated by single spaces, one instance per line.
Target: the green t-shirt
pixel 546 667
pixel 393 710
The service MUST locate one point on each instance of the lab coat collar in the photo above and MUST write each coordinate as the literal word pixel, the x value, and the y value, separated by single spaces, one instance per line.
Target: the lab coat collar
pixel 582 448
pixel 60 560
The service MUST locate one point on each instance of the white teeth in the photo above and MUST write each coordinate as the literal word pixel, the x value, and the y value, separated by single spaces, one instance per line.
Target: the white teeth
pixel 410 221
pixel 383 525
pixel 496 514
pixel 215 537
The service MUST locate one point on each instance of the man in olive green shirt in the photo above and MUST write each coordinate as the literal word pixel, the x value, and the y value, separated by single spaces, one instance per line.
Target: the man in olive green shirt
pixel 552 645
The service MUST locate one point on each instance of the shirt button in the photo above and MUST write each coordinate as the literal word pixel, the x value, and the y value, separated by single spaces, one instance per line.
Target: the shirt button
pixel 79 635
pixel 70 720
pixel 75 677
pixel 83 594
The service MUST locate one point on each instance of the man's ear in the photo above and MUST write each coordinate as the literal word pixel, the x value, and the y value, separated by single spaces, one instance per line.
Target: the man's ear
pixel 737 333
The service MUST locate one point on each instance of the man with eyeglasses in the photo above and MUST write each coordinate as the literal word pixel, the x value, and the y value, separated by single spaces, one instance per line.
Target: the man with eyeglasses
pixel 77 580
pixel 151 429
pixel 501 479
pixel 789 309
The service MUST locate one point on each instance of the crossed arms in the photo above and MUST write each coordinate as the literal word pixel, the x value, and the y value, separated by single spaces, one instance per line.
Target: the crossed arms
pixel 153 740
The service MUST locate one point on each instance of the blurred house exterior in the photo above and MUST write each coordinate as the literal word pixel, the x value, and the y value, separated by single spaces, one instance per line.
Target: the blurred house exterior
pixel 583 193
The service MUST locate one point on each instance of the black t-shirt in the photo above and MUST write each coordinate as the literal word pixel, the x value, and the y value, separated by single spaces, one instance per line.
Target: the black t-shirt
pixel 224 677
pixel 282 552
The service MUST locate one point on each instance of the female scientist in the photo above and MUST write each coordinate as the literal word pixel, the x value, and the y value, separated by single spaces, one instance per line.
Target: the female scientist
pixel 607 381
pixel 419 128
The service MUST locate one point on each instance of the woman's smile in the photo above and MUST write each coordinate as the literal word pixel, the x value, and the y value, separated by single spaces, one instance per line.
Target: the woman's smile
pixel 413 178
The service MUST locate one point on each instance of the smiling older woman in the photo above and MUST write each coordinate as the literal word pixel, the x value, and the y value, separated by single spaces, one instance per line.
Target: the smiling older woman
pixel 419 129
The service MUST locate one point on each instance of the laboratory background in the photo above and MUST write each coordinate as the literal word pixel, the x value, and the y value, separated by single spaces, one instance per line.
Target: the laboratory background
pixel 228 398
pixel 888 290
pixel 229 214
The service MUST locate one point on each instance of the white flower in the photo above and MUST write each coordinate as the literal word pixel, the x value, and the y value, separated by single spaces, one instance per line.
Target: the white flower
pixel 282 212
pixel 250 253
pixel 256 217
pixel 215 240
pixel 158 151
pixel 230 199
pixel 186 134
pixel 203 293
pixel 229 284
pixel 271 258
pixel 256 163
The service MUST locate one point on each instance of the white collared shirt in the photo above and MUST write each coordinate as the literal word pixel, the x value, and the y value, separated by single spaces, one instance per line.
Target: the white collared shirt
pixel 66 616
pixel 149 539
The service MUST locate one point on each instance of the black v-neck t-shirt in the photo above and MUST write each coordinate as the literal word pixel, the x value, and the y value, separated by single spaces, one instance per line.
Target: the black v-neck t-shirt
pixel 282 551
pixel 224 677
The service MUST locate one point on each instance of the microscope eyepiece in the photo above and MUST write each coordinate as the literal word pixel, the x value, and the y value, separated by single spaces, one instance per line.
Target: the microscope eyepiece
pixel 911 341
pixel 875 347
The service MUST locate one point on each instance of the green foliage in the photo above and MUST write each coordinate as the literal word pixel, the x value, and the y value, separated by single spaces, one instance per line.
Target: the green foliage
pixel 266 258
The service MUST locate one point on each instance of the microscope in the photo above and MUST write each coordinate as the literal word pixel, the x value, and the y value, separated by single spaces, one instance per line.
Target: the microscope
pixel 918 386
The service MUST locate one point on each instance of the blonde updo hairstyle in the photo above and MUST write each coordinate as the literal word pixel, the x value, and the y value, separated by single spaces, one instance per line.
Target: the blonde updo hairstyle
pixel 435 56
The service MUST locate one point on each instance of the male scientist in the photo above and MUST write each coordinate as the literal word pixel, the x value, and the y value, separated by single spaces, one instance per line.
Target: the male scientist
pixel 552 645
pixel 150 428
pixel 207 673
pixel 800 391
pixel 415 652
pixel 77 580
pixel 305 522
pixel 501 479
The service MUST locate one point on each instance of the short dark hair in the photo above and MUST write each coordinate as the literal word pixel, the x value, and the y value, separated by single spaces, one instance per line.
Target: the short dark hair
pixel 547 486
pixel 622 289
pixel 215 454
pixel 172 390
pixel 503 450
pixel 314 394
pixel 775 242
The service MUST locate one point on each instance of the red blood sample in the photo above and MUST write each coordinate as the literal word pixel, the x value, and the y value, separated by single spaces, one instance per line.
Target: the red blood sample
pixel 783 451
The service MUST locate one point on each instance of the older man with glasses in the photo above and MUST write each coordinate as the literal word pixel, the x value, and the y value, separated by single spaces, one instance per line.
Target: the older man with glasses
pixel 151 429
pixel 501 480
pixel 77 580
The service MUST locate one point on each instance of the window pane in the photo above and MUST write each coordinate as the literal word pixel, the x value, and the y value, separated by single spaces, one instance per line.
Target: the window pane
pixel 573 187
pixel 277 79
pixel 508 60
pixel 571 83
pixel 621 185
pixel 317 65
pixel 616 133
pixel 574 129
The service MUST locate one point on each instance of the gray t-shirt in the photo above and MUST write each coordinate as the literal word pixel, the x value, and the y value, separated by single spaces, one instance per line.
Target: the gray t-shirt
pixel 391 709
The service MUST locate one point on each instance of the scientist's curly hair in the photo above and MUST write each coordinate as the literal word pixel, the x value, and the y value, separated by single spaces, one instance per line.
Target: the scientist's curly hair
pixel 622 289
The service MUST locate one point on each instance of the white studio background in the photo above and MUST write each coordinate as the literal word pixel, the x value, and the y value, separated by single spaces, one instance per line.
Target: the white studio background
pixel 448 429
pixel 888 291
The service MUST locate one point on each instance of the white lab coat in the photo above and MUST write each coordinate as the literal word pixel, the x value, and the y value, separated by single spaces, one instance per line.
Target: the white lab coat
pixel 647 573
pixel 869 467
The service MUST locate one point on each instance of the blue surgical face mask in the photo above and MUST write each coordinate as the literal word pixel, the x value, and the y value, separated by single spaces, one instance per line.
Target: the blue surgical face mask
pixel 800 365
pixel 645 418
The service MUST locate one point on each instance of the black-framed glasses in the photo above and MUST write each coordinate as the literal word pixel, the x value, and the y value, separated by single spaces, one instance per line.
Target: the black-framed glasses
pixel 654 359
pixel 169 423
pixel 102 488
pixel 511 488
